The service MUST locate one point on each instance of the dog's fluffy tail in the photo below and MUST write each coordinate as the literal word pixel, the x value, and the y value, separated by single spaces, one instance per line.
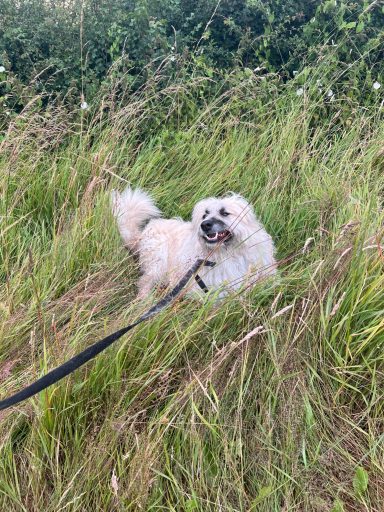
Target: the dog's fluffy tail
pixel 132 209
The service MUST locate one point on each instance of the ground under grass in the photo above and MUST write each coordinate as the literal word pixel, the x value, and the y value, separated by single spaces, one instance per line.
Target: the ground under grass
pixel 271 402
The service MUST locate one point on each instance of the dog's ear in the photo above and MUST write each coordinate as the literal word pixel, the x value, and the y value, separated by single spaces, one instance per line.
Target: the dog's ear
pixel 198 210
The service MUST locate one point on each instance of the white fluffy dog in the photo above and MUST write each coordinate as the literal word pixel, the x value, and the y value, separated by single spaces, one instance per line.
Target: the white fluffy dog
pixel 223 230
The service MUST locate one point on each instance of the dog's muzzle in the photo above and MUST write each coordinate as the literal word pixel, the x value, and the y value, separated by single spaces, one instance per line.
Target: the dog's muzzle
pixel 214 231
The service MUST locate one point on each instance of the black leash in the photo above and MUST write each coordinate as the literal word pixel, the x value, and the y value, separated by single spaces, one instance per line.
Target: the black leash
pixel 201 283
pixel 75 362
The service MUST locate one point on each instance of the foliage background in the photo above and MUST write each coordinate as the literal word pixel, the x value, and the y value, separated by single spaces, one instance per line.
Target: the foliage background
pixel 67 47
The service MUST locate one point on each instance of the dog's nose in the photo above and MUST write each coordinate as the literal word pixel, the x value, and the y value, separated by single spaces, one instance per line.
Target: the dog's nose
pixel 206 225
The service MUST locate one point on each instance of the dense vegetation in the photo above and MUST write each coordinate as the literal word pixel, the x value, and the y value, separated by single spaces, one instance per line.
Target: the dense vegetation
pixel 189 413
pixel 72 48
pixel 273 401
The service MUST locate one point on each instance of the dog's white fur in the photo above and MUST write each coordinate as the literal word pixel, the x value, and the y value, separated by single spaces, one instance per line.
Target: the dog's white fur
pixel 168 247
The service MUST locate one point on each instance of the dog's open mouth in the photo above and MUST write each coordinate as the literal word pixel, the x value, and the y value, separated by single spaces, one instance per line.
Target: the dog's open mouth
pixel 218 236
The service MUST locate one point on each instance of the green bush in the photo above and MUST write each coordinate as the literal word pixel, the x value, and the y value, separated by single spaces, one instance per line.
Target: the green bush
pixel 72 48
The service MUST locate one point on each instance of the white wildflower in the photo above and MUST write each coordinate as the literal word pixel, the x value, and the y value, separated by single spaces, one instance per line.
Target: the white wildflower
pixel 300 91
pixel 376 85
pixel 84 105
pixel 295 72
pixel 172 58
pixel 330 93
pixel 2 69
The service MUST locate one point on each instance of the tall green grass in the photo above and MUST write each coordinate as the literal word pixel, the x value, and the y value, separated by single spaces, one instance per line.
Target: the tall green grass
pixel 188 413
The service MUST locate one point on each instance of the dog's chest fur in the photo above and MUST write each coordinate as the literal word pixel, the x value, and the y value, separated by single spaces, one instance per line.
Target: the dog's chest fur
pixel 230 270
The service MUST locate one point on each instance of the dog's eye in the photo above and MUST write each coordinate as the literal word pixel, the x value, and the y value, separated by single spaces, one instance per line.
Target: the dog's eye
pixel 224 213
pixel 206 213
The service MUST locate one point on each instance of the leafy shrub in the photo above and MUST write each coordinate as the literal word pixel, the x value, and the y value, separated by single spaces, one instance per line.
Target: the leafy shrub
pixel 72 48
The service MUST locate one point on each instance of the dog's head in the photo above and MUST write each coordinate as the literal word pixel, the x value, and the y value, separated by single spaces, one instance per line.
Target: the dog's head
pixel 223 221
